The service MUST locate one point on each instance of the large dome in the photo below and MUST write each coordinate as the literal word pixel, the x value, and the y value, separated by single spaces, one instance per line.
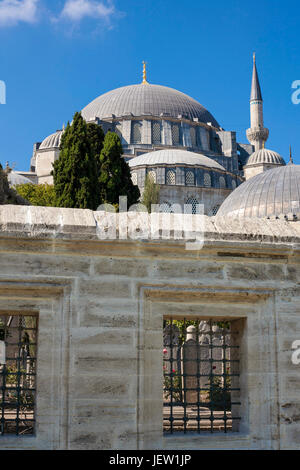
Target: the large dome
pixel 52 141
pixel 174 157
pixel 273 193
pixel 146 99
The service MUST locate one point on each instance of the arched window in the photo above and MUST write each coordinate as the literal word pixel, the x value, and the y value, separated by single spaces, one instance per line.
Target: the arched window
pixel 152 175
pixel 171 177
pixel 175 134
pixel 207 180
pixel 215 210
pixel 190 178
pixel 192 201
pixel 136 132
pixel 134 178
pixel 193 136
pixel 222 182
pixel 165 207
pixel 156 132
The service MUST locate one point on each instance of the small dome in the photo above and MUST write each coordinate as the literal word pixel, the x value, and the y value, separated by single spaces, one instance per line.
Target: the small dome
pixel 52 141
pixel 273 193
pixel 143 99
pixel 265 156
pixel 174 157
pixel 14 179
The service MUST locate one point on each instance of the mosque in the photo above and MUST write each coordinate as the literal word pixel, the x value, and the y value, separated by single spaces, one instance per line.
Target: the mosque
pixel 171 138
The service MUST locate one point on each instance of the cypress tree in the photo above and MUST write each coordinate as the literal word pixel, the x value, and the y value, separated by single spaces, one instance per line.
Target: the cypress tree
pixel 96 138
pixel 75 171
pixel 151 193
pixel 115 177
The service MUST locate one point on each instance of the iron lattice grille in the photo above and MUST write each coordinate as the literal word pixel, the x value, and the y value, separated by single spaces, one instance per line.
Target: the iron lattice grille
pixel 222 182
pixel 175 134
pixel 156 132
pixel 190 178
pixel 201 377
pixel 207 180
pixel 192 201
pixel 171 177
pixel 18 341
pixel 134 178
pixel 136 132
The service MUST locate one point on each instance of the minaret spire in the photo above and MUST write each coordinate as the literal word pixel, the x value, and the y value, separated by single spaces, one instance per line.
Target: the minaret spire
pixel 257 134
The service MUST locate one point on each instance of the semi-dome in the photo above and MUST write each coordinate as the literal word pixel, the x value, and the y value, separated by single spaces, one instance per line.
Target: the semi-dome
pixel 146 99
pixel 273 193
pixel 52 141
pixel 265 156
pixel 174 157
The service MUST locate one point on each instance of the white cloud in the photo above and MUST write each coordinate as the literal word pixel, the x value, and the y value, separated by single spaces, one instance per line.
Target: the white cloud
pixel 15 11
pixel 76 10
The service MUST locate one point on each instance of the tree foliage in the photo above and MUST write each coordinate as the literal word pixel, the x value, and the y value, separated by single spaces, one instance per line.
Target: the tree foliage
pixel 151 193
pixel 7 194
pixel 37 194
pixel 114 173
pixel 75 173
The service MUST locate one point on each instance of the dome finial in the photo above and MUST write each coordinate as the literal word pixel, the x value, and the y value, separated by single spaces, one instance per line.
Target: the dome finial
pixel 144 73
pixel 291 158
pixel 254 58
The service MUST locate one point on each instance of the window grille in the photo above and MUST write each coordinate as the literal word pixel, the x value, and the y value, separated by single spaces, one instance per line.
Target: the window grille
pixel 165 207
pixel 222 182
pixel 201 377
pixel 192 201
pixel 215 210
pixel 190 178
pixel 193 136
pixel 175 134
pixel 152 175
pixel 171 177
pixel 18 341
pixel 156 132
pixel 134 178
pixel 137 132
pixel 207 180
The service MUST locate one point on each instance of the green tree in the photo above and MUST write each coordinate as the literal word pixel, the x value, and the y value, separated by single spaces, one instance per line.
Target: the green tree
pixel 96 138
pixel 7 194
pixel 75 172
pixel 114 173
pixel 37 194
pixel 151 193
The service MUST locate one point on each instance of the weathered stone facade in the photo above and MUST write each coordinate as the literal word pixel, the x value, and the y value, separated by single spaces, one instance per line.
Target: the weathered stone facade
pixel 101 305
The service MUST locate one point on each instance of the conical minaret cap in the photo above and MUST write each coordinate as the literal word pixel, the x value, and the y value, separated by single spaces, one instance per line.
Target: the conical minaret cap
pixel 255 87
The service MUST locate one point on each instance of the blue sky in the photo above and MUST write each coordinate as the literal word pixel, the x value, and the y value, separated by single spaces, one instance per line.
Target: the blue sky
pixel 56 56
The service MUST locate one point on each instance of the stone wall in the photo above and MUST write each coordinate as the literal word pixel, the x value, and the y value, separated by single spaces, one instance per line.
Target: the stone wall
pixel 101 305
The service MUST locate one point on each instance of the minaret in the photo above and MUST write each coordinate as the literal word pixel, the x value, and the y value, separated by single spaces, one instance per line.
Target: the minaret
pixel 257 134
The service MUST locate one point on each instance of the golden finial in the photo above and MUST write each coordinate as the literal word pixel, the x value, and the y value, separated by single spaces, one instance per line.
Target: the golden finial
pixel 254 57
pixel 144 73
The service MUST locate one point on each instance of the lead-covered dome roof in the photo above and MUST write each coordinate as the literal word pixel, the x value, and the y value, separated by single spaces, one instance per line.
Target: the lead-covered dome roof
pixel 174 157
pixel 147 99
pixel 52 141
pixel 273 193
pixel 265 156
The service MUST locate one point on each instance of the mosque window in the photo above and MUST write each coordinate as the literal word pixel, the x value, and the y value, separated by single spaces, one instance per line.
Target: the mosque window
pixel 156 132
pixel 136 132
pixel 134 178
pixel 190 178
pixel 171 177
pixel 193 136
pixel 165 207
pixel 152 175
pixel 222 182
pixel 201 375
pixel 192 201
pixel 175 134
pixel 198 137
pixel 215 210
pixel 18 358
pixel 207 180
